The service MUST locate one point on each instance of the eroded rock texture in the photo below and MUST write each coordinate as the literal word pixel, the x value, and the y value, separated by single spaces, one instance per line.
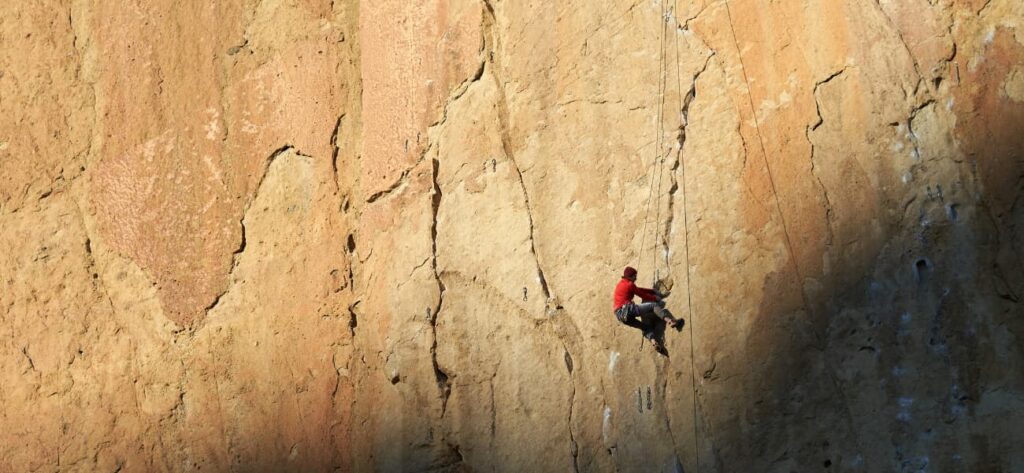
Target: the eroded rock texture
pixel 317 235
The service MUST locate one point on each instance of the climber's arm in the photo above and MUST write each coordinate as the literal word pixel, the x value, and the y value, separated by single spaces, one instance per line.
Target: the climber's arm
pixel 647 295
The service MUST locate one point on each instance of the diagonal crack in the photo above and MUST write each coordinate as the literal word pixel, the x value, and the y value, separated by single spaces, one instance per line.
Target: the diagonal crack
pixel 490 38
pixel 404 176
pixel 241 222
pixel 903 41
pixel 685 24
pixel 400 182
pixel 31 363
pixel 491 45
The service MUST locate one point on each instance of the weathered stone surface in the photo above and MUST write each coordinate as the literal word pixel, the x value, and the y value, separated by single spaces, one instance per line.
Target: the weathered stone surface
pixel 382 236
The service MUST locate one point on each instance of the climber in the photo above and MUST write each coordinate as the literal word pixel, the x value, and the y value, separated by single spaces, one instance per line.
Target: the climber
pixel 642 316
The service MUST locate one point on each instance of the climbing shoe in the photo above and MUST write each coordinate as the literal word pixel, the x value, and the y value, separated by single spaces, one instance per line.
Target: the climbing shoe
pixel 658 346
pixel 677 324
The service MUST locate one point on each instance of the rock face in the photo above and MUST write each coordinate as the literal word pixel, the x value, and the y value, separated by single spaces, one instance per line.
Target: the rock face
pixel 318 235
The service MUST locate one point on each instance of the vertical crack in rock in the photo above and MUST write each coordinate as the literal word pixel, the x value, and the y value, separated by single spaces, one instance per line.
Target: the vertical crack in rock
pixel 353 319
pixel 494 411
pixel 684 114
pixel 830 232
pixel 349 285
pixel 335 149
pixel 830 370
pixel 573 446
pixel 350 252
pixel 442 378
pixel 443 383
pixel 91 267
pixel 822 340
pixel 83 48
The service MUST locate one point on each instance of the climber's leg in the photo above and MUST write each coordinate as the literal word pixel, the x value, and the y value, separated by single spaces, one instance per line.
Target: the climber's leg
pixel 659 310
pixel 648 317
pixel 649 313
pixel 670 319
pixel 630 315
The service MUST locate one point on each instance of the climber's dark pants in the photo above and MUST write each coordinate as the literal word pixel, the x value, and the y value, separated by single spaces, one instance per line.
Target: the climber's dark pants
pixel 644 316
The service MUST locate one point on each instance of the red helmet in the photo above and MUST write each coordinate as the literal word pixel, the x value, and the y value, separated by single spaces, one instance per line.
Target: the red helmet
pixel 629 272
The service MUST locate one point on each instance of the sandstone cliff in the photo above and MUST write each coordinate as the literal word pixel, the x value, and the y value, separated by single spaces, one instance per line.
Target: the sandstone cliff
pixel 316 235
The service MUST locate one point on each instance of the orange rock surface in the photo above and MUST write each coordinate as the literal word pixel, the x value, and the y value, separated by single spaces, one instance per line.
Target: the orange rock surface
pixel 318 235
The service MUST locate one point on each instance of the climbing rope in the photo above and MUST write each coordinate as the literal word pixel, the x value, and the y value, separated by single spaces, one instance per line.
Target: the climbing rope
pixel 785 231
pixel 658 154
pixel 659 159
pixel 684 118
pixel 661 137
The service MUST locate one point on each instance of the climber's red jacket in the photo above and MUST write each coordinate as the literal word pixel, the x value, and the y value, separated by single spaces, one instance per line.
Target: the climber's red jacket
pixel 625 290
